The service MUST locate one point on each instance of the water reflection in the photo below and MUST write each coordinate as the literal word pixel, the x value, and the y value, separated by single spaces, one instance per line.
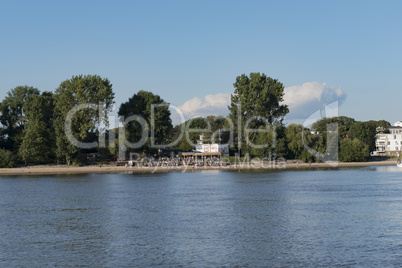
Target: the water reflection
pixel 387 169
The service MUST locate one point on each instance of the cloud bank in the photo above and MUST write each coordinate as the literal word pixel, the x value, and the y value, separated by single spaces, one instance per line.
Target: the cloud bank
pixel 216 104
pixel 305 99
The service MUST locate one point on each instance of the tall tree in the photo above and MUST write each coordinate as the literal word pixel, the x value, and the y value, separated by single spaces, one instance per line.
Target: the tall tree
pixel 256 98
pixel 154 112
pixel 82 89
pixel 13 116
pixel 38 144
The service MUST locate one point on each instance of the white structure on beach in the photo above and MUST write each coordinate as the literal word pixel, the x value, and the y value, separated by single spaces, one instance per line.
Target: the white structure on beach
pixel 390 143
pixel 213 148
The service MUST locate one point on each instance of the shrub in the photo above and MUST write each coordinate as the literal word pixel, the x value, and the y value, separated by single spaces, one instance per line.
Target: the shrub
pixel 7 159
pixel 353 151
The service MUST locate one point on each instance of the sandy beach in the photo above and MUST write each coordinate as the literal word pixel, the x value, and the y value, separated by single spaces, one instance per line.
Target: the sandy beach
pixel 54 169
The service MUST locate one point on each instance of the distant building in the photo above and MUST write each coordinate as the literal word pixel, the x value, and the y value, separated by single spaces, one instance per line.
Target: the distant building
pixel 390 143
pixel 213 148
pixel 398 124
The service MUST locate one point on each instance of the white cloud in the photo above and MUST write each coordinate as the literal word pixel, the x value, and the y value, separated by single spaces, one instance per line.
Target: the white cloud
pixel 305 99
pixel 216 104
pixel 212 105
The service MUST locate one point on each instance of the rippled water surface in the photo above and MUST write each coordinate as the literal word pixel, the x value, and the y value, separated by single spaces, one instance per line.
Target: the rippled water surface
pixel 350 217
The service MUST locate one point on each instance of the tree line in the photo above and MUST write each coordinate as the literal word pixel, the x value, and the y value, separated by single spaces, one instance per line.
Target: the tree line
pixel 34 130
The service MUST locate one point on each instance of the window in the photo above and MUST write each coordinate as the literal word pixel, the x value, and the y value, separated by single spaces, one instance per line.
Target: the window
pixel 396 148
pixel 394 137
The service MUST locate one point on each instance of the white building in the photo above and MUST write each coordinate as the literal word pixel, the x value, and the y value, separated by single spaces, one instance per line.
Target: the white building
pixel 398 124
pixel 213 148
pixel 390 143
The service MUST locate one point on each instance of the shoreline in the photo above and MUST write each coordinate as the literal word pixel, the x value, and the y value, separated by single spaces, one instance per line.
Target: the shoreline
pixel 66 170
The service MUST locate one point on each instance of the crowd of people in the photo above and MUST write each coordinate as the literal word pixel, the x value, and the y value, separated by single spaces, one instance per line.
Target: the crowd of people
pixel 176 161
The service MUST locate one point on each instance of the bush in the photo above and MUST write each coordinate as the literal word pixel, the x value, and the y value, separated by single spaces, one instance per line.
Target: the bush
pixel 7 159
pixel 353 151
pixel 77 163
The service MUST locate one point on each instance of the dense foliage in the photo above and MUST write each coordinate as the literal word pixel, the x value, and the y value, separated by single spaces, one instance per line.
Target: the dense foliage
pixel 7 159
pixel 355 139
pixel 255 107
pixel 151 125
pixel 12 116
pixel 81 90
pixel 38 140
pixel 214 129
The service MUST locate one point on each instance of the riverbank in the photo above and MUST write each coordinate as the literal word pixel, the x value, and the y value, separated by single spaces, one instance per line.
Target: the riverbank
pixel 54 169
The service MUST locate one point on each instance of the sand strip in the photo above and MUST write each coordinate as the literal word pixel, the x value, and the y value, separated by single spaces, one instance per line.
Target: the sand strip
pixel 53 170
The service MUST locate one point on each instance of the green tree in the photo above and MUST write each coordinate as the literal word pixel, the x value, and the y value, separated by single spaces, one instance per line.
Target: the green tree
pixel 365 132
pixel 353 151
pixel 13 116
pixel 330 132
pixel 298 138
pixel 7 159
pixel 190 132
pixel 220 129
pixel 156 115
pixel 86 123
pixel 38 144
pixel 344 124
pixel 269 142
pixel 184 146
pixel 383 126
pixel 214 129
pixel 257 100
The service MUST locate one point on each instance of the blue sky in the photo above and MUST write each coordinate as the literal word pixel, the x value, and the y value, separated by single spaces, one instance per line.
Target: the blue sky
pixel 190 52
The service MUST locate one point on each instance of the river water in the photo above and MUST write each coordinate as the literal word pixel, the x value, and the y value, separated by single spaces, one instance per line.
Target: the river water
pixel 348 217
